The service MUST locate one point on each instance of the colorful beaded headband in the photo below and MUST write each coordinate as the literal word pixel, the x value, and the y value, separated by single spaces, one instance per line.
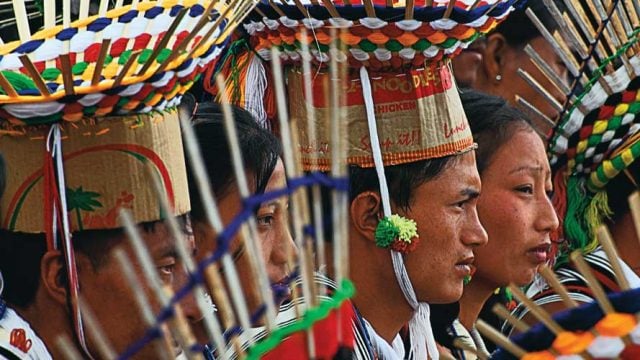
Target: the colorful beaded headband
pixel 131 59
pixel 378 34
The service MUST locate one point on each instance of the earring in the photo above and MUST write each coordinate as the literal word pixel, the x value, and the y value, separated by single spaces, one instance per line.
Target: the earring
pixel 498 77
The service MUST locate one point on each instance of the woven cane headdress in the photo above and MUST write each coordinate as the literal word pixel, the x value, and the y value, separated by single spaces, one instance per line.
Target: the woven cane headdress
pixel 87 104
pixel 401 103
pixel 596 135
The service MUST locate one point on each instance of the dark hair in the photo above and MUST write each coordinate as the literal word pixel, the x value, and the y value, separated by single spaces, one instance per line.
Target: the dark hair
pixel 518 30
pixel 21 254
pixel 619 189
pixel 260 152
pixel 402 179
pixel 3 175
pixel 492 121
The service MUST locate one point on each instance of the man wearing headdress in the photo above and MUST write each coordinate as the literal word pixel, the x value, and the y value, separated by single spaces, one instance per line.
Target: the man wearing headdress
pixel 84 149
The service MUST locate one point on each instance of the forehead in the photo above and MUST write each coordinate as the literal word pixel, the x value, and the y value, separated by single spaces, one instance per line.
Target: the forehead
pixel 523 148
pixel 158 240
pixel 278 179
pixel 460 174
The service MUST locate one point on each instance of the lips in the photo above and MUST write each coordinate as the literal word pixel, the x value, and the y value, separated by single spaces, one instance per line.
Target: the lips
pixel 539 254
pixel 281 289
pixel 465 266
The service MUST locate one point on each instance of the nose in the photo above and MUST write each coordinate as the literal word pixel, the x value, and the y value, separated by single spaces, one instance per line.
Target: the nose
pixel 547 220
pixel 188 304
pixel 284 249
pixel 474 233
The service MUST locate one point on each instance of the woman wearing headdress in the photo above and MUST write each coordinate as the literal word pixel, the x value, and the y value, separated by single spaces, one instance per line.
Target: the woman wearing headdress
pixel 491 63
pixel 593 151
pixel 514 209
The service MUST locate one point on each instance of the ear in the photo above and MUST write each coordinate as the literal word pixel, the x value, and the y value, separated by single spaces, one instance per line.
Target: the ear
pixel 494 56
pixel 52 275
pixel 365 211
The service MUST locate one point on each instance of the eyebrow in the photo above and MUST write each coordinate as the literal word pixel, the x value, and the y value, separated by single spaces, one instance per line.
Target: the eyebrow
pixel 470 193
pixel 527 168
pixel 168 251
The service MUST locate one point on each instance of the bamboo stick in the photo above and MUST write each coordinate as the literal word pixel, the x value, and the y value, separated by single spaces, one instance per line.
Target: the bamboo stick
pixel 255 248
pixel 162 348
pixel 536 310
pixel 495 336
pixel 212 326
pixel 94 329
pixel 505 314
pixel 608 245
pixel 592 282
pixel 214 220
pixel 557 286
pixel 184 338
pixel 290 166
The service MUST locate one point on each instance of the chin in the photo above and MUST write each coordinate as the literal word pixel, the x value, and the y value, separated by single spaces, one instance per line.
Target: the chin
pixel 526 278
pixel 446 296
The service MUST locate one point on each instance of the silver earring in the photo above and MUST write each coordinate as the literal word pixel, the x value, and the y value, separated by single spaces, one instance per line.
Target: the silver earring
pixel 498 77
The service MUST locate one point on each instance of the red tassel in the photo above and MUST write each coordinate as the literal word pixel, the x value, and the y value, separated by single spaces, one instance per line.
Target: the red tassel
pixel 559 201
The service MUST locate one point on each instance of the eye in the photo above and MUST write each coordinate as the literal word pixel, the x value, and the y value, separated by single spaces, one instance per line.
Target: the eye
pixel 167 270
pixel 525 189
pixel 265 220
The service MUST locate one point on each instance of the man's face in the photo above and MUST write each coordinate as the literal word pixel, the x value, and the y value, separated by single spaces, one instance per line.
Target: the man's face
pixel 445 210
pixel 111 298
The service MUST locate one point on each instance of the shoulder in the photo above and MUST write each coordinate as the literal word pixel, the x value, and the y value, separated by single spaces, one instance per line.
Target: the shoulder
pixel 18 340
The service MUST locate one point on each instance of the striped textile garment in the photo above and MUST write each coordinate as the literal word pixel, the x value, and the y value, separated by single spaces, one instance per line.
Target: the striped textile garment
pixel 287 314
pixel 576 284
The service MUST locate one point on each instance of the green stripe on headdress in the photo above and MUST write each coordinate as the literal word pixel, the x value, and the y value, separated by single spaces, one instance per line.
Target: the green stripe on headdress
pixel 575 228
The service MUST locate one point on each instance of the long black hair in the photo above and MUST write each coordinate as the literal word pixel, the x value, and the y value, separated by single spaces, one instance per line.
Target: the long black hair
pixel 260 152
pixel 518 30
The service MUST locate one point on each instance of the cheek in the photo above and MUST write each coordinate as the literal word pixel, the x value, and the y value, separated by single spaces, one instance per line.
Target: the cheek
pixel 205 246
pixel 439 240
pixel 115 308
pixel 266 242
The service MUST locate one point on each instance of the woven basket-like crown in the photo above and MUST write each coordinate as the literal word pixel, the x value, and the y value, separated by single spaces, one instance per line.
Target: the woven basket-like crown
pixel 378 34
pixel 130 59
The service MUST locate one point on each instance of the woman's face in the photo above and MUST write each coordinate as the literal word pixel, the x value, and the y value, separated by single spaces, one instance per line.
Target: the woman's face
pixel 516 212
pixel 273 232
pixel 505 61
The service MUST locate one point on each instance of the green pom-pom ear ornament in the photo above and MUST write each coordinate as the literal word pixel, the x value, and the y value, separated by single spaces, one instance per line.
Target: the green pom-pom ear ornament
pixel 398 233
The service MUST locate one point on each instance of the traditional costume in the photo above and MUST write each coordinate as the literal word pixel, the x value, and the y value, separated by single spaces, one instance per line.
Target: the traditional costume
pixel 595 139
pixel 85 107
pixel 401 103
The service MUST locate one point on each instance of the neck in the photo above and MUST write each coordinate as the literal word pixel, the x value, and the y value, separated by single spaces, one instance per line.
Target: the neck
pixel 379 298
pixel 475 295
pixel 624 234
pixel 48 327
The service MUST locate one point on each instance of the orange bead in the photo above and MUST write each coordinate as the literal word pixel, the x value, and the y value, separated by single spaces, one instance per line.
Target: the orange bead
pixel 616 324
pixel 567 343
